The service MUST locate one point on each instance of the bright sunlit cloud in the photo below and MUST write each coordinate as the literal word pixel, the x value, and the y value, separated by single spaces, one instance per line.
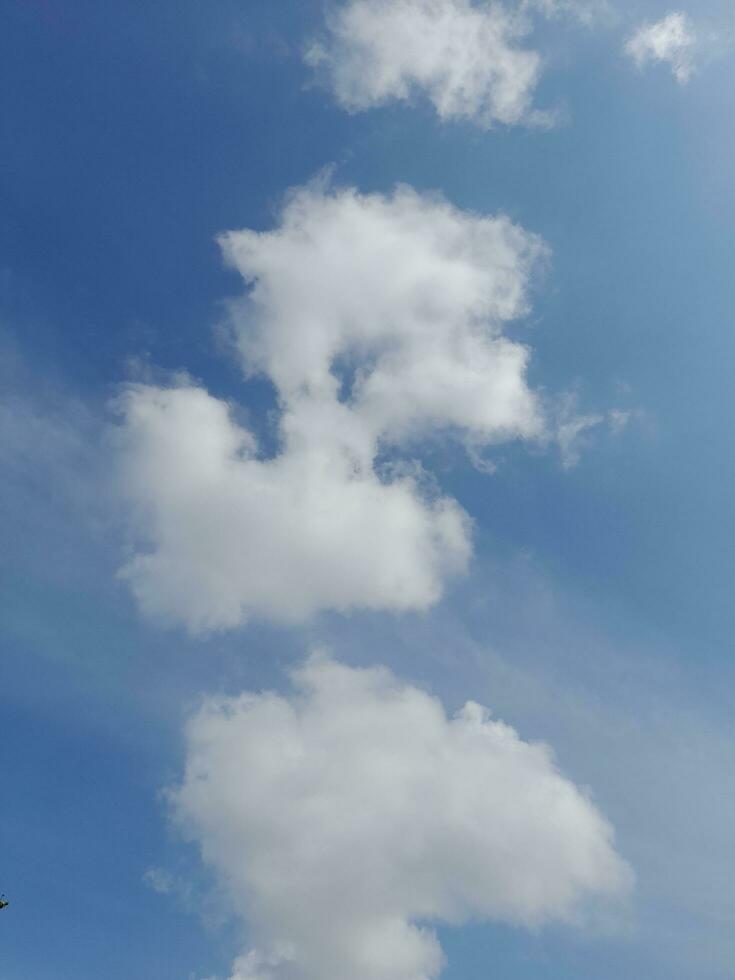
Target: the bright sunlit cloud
pixel 231 536
pixel 671 40
pixel 380 321
pixel 341 818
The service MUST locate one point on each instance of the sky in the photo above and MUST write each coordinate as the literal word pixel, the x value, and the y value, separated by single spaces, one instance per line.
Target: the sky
pixel 365 539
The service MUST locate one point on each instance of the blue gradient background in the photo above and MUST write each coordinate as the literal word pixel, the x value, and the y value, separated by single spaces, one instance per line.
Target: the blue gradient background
pixel 598 615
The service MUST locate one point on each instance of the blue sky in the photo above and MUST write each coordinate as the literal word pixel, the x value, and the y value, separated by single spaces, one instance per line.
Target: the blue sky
pixel 595 614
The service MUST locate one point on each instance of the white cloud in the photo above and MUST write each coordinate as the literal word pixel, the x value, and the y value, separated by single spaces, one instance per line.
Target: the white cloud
pixel 380 321
pixel 406 291
pixel 672 40
pixel 463 56
pixel 233 536
pixel 466 57
pixel 343 819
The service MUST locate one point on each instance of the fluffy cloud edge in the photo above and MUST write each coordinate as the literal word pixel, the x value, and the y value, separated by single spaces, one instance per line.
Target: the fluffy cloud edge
pixel 464 58
pixel 223 536
pixel 672 40
pixel 405 296
pixel 342 817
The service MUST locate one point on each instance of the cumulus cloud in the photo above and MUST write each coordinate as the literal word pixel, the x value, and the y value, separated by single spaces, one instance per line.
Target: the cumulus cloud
pixel 408 292
pixel 379 319
pixel 232 536
pixel 672 40
pixel 345 818
pixel 466 57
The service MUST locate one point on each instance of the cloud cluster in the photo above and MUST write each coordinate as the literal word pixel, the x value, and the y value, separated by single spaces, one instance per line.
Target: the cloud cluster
pixel 233 536
pixel 346 817
pixel 406 297
pixel 465 57
pixel 672 40
pixel 379 319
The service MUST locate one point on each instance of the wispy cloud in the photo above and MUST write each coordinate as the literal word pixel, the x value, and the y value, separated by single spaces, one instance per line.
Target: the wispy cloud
pixel 672 40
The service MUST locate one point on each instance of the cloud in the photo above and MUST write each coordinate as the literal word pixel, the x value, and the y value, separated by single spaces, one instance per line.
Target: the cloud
pixel 159 880
pixel 571 431
pixel 406 293
pixel 588 12
pixel 379 319
pixel 233 536
pixel 626 715
pixel 465 57
pixel 346 817
pixel 672 40
pixel 571 428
